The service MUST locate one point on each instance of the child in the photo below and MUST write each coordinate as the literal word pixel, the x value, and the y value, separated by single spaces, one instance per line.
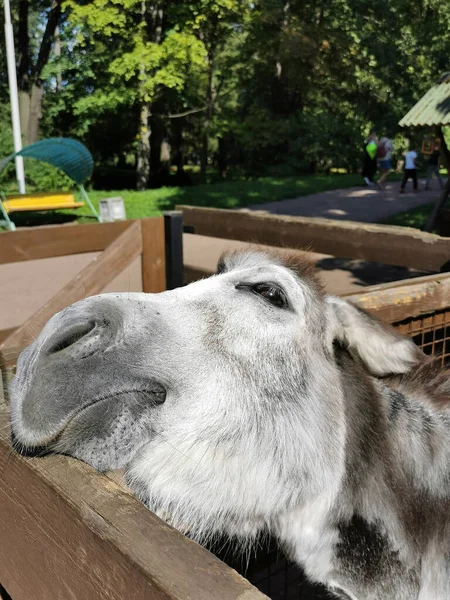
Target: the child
pixel 410 170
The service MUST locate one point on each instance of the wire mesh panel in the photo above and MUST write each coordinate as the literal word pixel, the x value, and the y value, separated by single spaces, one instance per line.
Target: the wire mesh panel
pixel 430 332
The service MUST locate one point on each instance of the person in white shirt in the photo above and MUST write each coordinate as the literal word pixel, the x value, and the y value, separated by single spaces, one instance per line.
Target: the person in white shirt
pixel 410 170
pixel 384 151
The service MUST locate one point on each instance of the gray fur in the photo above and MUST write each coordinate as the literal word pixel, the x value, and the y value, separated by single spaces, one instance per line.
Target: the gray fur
pixel 314 422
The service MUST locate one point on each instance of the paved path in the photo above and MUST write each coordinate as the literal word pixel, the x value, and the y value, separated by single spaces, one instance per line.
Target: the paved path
pixel 362 204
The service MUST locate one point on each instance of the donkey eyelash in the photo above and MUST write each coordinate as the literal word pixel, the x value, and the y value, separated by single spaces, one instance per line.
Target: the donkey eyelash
pixel 270 292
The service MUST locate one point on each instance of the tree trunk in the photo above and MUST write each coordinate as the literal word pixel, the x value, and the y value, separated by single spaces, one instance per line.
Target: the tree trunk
pixel 24 109
pixel 153 20
pixel 23 68
pixel 222 157
pixel 178 146
pixel 445 152
pixel 37 89
pixel 57 53
pixel 158 131
pixel 143 154
pixel 210 97
pixel 35 114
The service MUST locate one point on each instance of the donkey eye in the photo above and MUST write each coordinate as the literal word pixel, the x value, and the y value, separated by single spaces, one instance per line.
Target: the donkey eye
pixel 272 293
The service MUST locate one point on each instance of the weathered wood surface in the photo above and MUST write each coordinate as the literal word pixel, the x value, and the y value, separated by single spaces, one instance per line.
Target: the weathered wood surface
pixel 4 333
pixel 46 242
pixel 153 255
pixel 92 279
pixel 67 532
pixel 390 245
pixel 409 298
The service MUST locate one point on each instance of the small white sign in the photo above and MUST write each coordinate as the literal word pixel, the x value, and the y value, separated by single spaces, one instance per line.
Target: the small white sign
pixel 112 209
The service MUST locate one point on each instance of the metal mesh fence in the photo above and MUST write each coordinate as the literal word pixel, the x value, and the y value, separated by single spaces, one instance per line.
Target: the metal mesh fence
pixel 431 332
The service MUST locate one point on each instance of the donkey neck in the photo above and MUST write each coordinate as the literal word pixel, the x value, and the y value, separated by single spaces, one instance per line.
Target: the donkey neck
pixel 373 539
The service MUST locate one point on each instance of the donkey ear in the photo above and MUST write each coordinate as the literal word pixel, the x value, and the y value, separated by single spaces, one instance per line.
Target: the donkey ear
pixel 377 345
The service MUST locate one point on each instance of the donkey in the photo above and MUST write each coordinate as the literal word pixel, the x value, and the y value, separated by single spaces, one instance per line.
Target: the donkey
pixel 251 402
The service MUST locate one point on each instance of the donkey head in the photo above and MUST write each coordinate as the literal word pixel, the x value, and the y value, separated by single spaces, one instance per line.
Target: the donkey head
pixel 223 400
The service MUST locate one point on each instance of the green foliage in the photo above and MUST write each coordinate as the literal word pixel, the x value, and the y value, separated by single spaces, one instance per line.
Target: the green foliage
pixel 271 85
pixel 45 178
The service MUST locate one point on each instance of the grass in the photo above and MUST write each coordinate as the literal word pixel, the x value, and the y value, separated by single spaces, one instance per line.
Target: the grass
pixel 225 194
pixel 415 217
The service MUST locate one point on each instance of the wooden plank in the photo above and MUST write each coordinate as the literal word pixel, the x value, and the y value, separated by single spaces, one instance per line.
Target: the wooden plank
pixel 68 532
pixel 92 279
pixel 409 298
pixel 153 255
pixel 386 244
pixel 4 333
pixel 61 240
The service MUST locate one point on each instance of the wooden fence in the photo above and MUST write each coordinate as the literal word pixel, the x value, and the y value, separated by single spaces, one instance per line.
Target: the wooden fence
pixel 119 243
pixel 389 245
pixel 67 531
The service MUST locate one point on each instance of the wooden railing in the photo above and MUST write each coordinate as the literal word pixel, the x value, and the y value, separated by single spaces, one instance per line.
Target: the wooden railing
pixel 385 244
pixel 119 243
pixel 67 531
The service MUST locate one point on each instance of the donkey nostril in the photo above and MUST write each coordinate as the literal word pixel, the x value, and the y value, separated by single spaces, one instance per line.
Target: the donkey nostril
pixel 70 336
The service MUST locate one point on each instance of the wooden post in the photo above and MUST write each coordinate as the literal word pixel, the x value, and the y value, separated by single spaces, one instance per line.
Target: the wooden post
pixel 153 255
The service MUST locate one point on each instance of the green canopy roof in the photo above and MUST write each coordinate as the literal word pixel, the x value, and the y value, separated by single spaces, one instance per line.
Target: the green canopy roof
pixel 433 108
pixel 67 154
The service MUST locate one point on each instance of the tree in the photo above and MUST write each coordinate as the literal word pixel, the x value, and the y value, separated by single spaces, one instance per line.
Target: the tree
pixel 33 59
pixel 150 55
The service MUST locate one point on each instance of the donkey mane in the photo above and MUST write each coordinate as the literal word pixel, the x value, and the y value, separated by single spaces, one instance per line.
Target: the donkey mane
pixel 428 376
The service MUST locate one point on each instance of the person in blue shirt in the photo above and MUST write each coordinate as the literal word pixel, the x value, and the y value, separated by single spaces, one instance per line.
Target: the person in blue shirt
pixel 410 169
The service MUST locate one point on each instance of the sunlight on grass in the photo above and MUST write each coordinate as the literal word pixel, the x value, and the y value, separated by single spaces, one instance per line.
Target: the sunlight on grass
pixel 416 217
pixel 223 194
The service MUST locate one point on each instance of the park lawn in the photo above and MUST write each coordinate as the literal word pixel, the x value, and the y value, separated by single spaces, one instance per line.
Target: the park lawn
pixel 415 217
pixel 226 194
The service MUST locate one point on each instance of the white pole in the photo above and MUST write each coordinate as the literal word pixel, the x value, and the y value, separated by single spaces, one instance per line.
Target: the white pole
pixel 12 77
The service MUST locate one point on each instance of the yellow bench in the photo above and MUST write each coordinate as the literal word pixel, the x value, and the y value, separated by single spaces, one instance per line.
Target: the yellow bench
pixel 40 201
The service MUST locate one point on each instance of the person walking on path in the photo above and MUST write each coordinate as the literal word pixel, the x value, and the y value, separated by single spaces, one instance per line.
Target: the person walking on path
pixel 433 167
pixel 410 170
pixel 370 158
pixel 384 151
